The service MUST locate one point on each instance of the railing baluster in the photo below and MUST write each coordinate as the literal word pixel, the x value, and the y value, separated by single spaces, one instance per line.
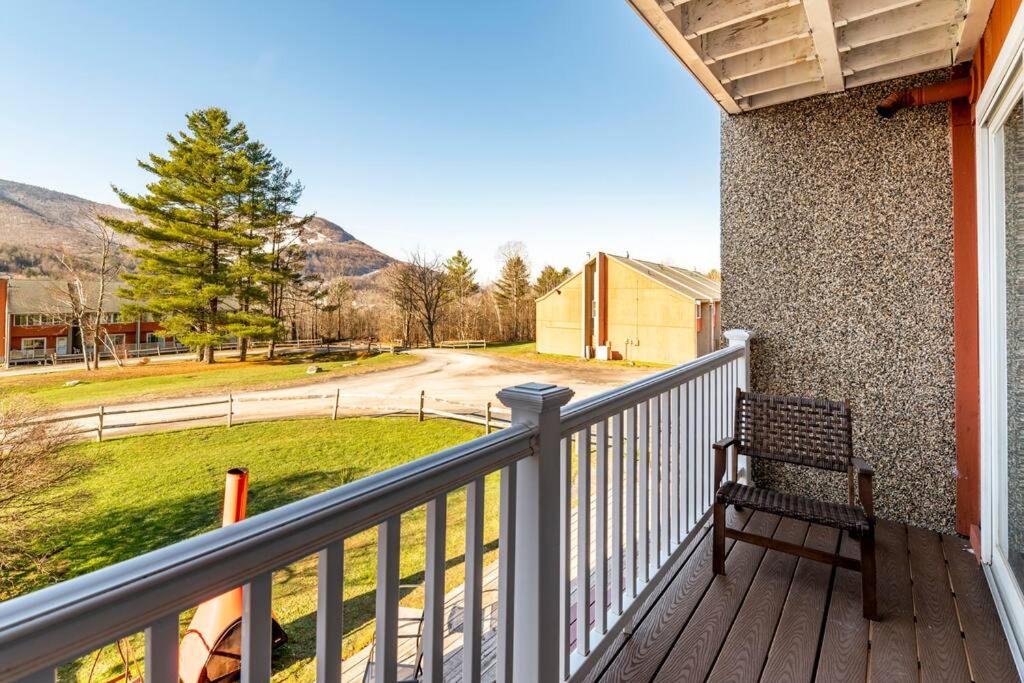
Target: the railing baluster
pixel 433 588
pixel 473 595
pixel 631 501
pixel 706 443
pixel 565 556
pixel 162 650
pixel 644 543
pixel 583 541
pixel 677 497
pixel 256 629
pixel 601 529
pixel 386 645
pixel 506 572
pixel 329 590
pixel 698 485
pixel 616 588
pixel 656 479
pixel 666 478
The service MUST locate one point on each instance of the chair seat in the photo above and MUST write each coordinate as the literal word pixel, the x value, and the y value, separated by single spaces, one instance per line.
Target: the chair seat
pixel 836 515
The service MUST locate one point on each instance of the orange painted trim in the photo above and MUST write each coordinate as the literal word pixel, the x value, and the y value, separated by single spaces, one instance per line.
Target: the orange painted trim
pixel 966 369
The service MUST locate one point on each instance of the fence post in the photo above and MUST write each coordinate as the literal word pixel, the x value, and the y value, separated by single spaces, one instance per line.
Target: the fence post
pixel 337 398
pixel 423 395
pixel 535 602
pixel 742 338
pixel 487 418
pixel 99 424
pixel 231 408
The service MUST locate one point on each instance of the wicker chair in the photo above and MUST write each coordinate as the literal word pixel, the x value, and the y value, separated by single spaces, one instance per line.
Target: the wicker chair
pixel 811 433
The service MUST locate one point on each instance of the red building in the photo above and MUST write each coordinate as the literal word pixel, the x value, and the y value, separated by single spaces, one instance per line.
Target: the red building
pixel 38 324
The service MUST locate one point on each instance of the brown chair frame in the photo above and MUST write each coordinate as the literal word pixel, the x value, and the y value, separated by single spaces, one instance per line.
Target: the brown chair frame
pixel 807 432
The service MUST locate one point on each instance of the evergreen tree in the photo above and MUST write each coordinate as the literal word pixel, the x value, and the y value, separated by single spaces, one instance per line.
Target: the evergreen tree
pixel 549 278
pixel 462 284
pixel 512 290
pixel 190 232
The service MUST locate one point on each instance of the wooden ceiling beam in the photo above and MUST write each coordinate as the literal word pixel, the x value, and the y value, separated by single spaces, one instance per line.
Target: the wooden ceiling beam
pixel 900 22
pixel 787 77
pixel 907 67
pixel 765 59
pixel 650 11
pixel 698 17
pixel 971 29
pixel 845 11
pixel 900 49
pixel 797 92
pixel 823 33
pixel 766 30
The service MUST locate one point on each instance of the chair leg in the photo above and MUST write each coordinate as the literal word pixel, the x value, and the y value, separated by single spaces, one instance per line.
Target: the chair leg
pixel 718 541
pixel 867 575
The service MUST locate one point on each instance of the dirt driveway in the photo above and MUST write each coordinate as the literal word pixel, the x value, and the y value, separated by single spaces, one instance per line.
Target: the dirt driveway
pixel 452 380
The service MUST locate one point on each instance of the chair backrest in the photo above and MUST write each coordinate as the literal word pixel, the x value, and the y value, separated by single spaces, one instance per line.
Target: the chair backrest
pixel 804 431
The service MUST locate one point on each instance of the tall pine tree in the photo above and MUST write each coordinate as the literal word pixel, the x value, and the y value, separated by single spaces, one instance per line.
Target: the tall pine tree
pixel 462 284
pixel 190 234
pixel 512 291
pixel 549 278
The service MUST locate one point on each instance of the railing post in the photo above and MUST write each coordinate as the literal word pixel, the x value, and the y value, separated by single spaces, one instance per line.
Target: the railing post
pixel 231 409
pixel 423 395
pixel 337 399
pixel 487 418
pixel 742 338
pixel 99 424
pixel 536 603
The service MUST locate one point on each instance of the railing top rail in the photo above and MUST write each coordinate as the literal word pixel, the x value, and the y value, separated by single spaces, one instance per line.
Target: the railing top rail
pixel 56 624
pixel 584 413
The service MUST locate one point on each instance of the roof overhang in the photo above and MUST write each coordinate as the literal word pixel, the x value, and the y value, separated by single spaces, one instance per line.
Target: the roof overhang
pixel 750 54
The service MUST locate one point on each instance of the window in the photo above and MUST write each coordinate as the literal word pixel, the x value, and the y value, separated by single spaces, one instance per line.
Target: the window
pixel 33 344
pixel 115 339
pixel 698 310
pixel 111 318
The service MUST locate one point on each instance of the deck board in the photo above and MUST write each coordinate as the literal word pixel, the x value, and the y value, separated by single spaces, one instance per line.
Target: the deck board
pixel 724 628
pixel 649 644
pixel 698 645
pixel 790 658
pixel 987 651
pixel 844 648
pixel 939 643
pixel 744 652
pixel 893 642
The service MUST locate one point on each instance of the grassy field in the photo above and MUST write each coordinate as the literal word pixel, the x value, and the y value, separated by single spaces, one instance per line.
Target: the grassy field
pixel 172 379
pixel 145 492
pixel 528 351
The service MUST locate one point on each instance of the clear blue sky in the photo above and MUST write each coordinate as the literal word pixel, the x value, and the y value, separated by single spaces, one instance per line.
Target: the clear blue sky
pixel 564 124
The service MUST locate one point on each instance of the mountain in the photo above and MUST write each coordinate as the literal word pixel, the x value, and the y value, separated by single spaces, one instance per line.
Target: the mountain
pixel 34 221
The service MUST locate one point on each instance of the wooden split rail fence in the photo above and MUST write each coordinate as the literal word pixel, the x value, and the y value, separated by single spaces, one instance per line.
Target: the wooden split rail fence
pixel 489 417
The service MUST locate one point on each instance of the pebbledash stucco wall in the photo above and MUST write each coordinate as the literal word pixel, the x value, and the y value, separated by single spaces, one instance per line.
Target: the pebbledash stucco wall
pixel 837 253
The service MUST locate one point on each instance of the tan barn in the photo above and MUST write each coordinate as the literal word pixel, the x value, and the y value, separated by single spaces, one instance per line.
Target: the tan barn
pixel 623 308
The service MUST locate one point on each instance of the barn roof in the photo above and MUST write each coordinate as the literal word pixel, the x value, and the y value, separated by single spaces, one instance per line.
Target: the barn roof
pixel 689 283
pixel 48 296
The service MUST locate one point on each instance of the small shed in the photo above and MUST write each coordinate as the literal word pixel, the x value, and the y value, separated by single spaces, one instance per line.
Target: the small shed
pixel 620 308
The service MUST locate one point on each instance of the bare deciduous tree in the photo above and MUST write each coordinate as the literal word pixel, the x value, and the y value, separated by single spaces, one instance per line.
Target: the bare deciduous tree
pixel 422 288
pixel 34 470
pixel 90 273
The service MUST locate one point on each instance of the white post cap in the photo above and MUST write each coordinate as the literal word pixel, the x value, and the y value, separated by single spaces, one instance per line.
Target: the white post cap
pixel 738 337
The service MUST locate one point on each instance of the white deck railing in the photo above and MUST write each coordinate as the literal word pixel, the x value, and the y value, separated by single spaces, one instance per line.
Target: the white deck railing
pixel 627 474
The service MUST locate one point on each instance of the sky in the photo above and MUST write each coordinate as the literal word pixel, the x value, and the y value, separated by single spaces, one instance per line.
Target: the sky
pixel 563 124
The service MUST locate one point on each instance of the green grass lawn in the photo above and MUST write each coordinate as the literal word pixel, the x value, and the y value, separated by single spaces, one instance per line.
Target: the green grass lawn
pixel 528 351
pixel 110 385
pixel 144 492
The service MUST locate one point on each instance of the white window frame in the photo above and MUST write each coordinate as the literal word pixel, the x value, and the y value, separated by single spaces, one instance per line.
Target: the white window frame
pixel 112 338
pixel 698 314
pixel 1003 90
pixel 33 339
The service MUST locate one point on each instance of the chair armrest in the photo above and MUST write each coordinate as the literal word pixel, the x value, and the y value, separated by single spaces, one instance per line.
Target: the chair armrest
pixel 862 466
pixel 723 444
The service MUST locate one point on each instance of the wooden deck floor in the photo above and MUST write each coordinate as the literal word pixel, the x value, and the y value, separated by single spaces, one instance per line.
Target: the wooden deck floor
pixel 775 617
